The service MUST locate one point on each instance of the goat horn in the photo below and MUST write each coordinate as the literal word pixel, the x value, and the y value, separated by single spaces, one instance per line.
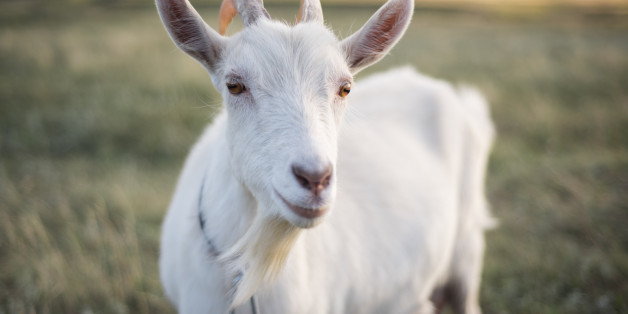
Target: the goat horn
pixel 250 11
pixel 310 11
pixel 227 12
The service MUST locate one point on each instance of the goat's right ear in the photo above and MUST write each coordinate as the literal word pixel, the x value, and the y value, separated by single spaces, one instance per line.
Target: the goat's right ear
pixel 380 33
pixel 190 33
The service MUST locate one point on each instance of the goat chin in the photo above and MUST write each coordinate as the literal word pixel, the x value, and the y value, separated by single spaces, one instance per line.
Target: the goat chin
pixel 259 254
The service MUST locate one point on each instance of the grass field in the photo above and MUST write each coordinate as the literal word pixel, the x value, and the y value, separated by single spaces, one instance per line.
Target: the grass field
pixel 98 110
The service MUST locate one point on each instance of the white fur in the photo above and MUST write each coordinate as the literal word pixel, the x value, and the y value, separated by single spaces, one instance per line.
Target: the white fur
pixel 407 209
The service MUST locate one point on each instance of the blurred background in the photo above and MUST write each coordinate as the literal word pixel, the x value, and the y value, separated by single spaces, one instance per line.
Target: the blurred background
pixel 98 110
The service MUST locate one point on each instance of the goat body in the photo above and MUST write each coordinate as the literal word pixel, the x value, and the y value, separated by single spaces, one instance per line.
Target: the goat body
pixel 407 221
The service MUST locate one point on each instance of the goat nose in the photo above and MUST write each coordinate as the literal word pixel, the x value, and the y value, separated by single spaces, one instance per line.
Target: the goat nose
pixel 313 180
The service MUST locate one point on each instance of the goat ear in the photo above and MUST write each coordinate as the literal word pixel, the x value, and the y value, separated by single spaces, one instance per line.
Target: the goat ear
pixel 380 33
pixel 190 33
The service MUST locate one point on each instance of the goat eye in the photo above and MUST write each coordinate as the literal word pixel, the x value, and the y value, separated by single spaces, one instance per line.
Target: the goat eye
pixel 345 89
pixel 235 88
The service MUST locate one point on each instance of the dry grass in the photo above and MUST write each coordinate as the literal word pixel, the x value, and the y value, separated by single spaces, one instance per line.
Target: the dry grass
pixel 98 110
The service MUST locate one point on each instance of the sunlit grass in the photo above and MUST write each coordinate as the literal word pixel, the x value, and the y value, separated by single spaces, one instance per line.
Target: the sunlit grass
pixel 77 235
pixel 98 110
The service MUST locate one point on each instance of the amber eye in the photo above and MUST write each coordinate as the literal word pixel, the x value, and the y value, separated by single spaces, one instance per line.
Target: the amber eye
pixel 345 89
pixel 235 88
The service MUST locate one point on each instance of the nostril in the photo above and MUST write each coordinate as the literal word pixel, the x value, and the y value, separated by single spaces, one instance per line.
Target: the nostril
pixel 327 179
pixel 303 180
pixel 314 181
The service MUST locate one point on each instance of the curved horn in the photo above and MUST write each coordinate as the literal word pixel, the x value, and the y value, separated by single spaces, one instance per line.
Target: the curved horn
pixel 250 11
pixel 310 11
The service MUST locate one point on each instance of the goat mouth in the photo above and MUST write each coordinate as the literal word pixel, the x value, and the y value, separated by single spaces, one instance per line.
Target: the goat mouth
pixel 308 213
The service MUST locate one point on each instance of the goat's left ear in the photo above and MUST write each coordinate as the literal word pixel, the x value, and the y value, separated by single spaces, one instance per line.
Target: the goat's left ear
pixel 190 33
pixel 380 33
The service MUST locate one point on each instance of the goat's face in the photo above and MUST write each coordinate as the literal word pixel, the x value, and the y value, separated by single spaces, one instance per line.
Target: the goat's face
pixel 285 92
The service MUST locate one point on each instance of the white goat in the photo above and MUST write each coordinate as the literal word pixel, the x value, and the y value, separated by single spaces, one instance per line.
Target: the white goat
pixel 400 189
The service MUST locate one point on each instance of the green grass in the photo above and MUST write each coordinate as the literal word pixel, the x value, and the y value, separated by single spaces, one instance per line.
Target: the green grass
pixel 98 110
